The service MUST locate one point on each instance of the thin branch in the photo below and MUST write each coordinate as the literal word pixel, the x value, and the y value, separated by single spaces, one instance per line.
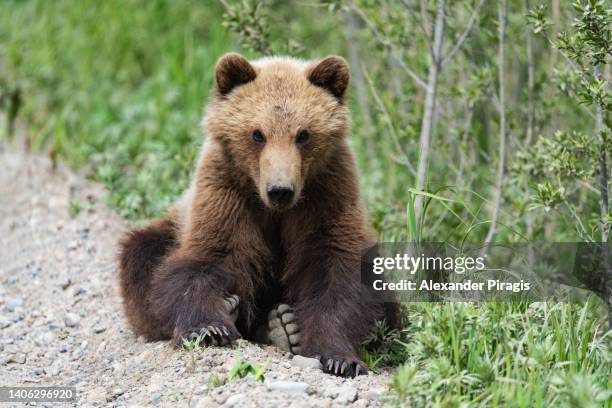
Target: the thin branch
pixel 359 81
pixel 419 21
pixel 385 42
pixel 502 123
pixel 530 82
pixel 404 158
pixel 603 167
pixel 463 36
pixel 429 110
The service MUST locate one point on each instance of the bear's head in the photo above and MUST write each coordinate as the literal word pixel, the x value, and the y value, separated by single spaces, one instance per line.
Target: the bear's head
pixel 280 121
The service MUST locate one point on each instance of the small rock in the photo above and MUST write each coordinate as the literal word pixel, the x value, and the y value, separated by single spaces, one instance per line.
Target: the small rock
pixel 96 395
pixel 330 392
pixel 47 338
pixel 236 399
pixel 72 245
pixel 99 329
pixel 18 358
pixel 346 394
pixel 306 362
pixel 71 319
pixel 5 322
pixel 55 325
pixel 14 303
pixel 206 402
pixel 288 386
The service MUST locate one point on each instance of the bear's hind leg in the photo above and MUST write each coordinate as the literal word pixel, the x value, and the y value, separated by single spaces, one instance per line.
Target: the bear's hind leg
pixel 141 251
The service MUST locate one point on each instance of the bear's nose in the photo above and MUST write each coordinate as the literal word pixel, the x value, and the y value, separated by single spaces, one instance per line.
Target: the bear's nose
pixel 280 196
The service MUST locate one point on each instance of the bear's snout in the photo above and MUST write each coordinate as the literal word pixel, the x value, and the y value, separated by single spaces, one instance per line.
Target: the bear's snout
pixel 280 196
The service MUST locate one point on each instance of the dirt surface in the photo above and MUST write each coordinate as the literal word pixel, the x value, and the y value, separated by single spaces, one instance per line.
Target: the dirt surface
pixel 61 321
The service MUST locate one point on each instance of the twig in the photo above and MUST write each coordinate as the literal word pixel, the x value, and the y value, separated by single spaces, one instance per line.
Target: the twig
pixel 383 108
pixel 429 110
pixel 603 168
pixel 380 38
pixel 360 87
pixel 463 35
pixel 502 124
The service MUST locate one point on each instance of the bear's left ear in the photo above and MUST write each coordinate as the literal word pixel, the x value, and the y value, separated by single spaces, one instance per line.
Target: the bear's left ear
pixel 233 70
pixel 331 74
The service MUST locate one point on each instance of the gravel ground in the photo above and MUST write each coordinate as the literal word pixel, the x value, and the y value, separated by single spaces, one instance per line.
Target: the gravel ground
pixel 61 321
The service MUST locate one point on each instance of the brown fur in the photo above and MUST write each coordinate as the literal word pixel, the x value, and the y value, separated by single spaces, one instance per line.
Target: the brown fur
pixel 224 236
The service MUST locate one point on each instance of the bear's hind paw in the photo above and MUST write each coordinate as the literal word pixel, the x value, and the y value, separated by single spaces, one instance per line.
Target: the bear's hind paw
pixel 231 306
pixel 283 330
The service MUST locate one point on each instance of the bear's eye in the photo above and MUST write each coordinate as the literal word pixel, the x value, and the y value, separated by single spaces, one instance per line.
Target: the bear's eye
pixel 302 137
pixel 258 137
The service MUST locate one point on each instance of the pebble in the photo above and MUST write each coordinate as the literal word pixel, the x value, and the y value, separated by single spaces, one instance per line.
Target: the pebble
pixel 99 329
pixel 5 322
pixel 14 303
pixel 288 386
pixel 236 399
pixel 346 394
pixel 19 358
pixel 306 362
pixel 71 319
pixel 206 402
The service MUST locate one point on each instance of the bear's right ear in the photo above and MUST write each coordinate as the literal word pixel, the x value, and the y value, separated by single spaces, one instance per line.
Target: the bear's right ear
pixel 233 70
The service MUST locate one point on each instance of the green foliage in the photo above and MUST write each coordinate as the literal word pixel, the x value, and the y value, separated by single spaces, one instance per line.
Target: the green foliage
pixel 115 86
pixel 505 354
pixel 74 208
pixel 243 368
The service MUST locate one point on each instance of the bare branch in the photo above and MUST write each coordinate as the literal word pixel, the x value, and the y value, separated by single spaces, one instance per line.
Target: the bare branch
pixel 385 42
pixel 502 124
pixel 603 167
pixel 463 35
pixel 410 11
pixel 429 110
pixel 404 158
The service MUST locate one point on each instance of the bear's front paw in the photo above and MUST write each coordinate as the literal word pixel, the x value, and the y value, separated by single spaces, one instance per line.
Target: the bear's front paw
pixel 343 366
pixel 213 334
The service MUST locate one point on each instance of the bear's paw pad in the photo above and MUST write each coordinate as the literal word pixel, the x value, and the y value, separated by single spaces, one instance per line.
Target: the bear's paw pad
pixel 283 330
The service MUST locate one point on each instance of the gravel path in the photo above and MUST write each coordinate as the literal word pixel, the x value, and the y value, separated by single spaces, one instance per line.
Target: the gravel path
pixel 61 321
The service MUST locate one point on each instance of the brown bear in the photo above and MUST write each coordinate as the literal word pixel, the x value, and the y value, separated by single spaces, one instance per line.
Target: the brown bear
pixel 274 215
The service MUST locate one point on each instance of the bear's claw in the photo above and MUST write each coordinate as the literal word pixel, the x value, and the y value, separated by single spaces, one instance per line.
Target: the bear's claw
pixel 283 330
pixel 343 367
pixel 212 335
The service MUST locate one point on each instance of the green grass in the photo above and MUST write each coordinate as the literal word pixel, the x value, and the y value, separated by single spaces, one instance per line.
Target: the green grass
pixel 505 354
pixel 116 88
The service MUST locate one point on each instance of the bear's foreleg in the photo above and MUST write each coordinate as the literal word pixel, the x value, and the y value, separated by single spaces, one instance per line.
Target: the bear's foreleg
pixel 188 295
pixel 221 252
pixel 335 311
